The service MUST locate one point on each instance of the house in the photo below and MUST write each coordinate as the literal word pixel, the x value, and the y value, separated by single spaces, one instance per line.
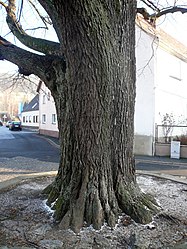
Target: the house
pixel 48 124
pixel 30 114
pixel 161 85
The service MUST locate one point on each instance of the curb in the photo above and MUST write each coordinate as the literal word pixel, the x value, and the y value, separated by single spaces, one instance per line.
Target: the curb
pixel 176 164
pixel 178 179
pixel 49 141
pixel 6 185
pixel 52 142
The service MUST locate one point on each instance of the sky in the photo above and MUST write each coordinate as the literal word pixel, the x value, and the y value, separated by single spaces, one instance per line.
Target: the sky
pixel 174 24
pixel 29 19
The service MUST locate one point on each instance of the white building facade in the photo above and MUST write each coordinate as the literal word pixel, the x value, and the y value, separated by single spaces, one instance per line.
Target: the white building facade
pixel 30 114
pixel 144 118
pixel 161 83
pixel 48 124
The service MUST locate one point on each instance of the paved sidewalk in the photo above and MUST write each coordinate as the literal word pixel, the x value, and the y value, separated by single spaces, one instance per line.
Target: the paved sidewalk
pixel 164 167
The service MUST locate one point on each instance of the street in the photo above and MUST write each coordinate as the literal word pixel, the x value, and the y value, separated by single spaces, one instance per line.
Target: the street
pixel 26 144
pixel 25 152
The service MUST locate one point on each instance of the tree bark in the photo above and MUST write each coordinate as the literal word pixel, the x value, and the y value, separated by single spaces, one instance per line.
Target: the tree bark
pixel 95 106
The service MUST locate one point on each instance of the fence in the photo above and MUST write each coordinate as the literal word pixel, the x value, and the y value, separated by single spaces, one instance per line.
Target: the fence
pixel 168 133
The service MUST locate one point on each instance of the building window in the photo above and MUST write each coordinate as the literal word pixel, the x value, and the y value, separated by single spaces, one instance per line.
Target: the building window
pixel 23 119
pixel 26 119
pixel 48 96
pixel 53 118
pixel 34 105
pixel 30 119
pixel 36 119
pixel 43 118
pixel 44 99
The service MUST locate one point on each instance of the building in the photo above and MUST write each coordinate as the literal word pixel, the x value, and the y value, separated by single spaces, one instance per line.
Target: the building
pixel 30 114
pixel 48 124
pixel 161 83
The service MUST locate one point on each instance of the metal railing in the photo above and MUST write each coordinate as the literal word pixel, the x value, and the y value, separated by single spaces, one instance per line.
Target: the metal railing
pixel 168 133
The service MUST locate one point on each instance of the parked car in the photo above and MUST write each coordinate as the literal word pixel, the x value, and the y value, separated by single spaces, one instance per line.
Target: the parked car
pixel 15 125
pixel 8 123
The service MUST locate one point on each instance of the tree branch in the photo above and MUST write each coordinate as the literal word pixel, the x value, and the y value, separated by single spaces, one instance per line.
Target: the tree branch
pixel 3 4
pixel 169 10
pixel 151 5
pixel 48 5
pixel 158 13
pixel 27 62
pixel 40 45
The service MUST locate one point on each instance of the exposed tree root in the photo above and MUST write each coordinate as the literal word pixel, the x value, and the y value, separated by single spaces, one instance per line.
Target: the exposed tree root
pixel 91 206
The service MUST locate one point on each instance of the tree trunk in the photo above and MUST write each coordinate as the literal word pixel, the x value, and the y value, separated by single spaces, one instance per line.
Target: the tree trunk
pixel 95 105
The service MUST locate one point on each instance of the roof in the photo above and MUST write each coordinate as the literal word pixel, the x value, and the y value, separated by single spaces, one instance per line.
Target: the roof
pixel 163 40
pixel 33 105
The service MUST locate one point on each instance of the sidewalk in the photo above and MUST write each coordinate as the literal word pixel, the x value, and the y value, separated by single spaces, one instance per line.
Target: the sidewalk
pixel 163 160
pixel 165 167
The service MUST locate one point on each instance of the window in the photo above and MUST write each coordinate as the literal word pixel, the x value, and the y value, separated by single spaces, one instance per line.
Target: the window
pixel 30 119
pixel 43 118
pixel 36 119
pixel 44 99
pixel 48 96
pixel 23 119
pixel 34 105
pixel 53 118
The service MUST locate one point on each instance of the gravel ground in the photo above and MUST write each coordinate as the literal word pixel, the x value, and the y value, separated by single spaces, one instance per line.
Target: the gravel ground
pixel 26 222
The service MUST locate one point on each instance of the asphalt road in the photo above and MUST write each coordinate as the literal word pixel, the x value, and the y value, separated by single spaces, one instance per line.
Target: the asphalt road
pixel 30 144
pixel 26 144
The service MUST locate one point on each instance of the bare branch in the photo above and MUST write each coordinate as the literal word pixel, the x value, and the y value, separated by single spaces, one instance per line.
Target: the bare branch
pixel 40 45
pixel 3 4
pixel 159 12
pixel 27 62
pixel 50 9
pixel 170 10
pixel 151 5
pixel 36 28
pixel 41 17
pixel 20 10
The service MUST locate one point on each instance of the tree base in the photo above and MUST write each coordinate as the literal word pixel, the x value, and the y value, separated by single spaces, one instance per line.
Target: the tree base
pixel 93 211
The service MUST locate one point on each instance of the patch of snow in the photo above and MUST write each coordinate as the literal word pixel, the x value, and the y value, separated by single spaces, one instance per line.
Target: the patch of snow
pixel 47 208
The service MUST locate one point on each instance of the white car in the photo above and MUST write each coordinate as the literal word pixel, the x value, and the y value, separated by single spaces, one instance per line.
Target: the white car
pixel 8 123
